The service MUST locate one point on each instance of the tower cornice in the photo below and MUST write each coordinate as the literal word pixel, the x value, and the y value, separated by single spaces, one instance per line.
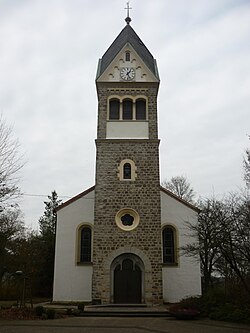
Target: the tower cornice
pixel 125 141
pixel 128 85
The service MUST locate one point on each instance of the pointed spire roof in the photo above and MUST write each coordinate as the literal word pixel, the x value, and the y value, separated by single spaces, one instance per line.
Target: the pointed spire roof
pixel 127 35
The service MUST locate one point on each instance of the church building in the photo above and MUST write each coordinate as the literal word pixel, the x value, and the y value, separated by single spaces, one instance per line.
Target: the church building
pixel 119 241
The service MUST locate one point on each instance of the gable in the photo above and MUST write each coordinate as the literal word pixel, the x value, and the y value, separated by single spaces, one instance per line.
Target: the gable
pixel 176 212
pixel 178 200
pixel 127 36
pixel 87 193
pixel 142 72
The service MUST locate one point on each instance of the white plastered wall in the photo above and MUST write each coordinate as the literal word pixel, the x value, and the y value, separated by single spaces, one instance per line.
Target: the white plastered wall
pixel 183 280
pixel 72 282
pixel 127 129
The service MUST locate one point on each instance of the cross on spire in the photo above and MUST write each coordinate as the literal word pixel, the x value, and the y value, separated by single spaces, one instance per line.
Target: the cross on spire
pixel 128 19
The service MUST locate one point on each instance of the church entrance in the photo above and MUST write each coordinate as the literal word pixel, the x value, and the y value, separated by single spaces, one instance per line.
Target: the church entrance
pixel 127 279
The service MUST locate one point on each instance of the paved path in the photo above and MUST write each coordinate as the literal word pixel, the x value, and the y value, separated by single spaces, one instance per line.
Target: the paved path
pixel 120 325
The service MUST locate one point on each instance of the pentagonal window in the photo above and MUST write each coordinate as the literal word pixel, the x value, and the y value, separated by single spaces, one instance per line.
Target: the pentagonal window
pixel 127 219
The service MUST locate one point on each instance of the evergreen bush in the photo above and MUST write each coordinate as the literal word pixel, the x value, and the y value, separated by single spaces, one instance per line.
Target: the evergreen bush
pixel 51 313
pixel 39 310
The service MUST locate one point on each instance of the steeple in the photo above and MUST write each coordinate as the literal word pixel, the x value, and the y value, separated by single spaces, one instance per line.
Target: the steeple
pixel 127 36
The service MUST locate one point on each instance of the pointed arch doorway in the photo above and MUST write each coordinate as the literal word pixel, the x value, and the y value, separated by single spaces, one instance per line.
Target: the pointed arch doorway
pixel 127 276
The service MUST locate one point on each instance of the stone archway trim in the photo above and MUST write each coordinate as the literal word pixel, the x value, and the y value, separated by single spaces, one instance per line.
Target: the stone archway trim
pixel 146 281
pixel 128 249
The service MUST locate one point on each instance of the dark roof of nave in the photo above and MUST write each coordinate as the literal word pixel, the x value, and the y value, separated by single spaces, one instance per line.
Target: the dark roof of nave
pixel 128 35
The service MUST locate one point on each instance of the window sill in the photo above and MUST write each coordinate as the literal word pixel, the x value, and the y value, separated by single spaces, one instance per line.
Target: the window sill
pixel 127 120
pixel 127 180
pixel 170 264
pixel 80 263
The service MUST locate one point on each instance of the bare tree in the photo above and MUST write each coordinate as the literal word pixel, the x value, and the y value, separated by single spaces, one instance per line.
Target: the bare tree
pixel 246 165
pixel 234 237
pixel 206 233
pixel 181 187
pixel 223 239
pixel 10 163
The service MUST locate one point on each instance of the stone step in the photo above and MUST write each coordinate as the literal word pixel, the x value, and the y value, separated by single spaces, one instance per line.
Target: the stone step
pixel 124 314
pixel 114 310
pixel 124 310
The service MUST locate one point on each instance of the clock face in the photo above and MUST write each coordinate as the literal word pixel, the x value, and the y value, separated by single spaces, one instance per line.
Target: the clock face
pixel 127 73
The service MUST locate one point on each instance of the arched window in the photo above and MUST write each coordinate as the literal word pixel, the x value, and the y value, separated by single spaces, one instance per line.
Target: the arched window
pixel 140 109
pixel 168 245
pixel 114 109
pixel 85 244
pixel 127 171
pixel 127 109
pixel 127 56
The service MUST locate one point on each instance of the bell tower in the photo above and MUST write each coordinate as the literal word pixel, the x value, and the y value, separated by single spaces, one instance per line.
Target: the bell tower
pixel 127 257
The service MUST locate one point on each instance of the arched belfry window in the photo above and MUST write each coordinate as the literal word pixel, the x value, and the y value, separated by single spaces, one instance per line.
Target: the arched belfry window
pixel 84 244
pixel 140 109
pixel 127 170
pixel 169 245
pixel 114 109
pixel 127 109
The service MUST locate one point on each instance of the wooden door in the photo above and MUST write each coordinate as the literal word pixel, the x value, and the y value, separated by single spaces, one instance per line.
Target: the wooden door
pixel 127 283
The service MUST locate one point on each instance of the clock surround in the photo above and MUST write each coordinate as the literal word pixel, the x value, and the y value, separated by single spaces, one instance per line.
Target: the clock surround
pixel 127 73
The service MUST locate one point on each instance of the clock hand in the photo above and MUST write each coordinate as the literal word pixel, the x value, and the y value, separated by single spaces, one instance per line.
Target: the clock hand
pixel 128 72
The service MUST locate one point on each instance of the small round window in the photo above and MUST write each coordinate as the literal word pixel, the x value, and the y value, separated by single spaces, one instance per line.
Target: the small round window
pixel 127 219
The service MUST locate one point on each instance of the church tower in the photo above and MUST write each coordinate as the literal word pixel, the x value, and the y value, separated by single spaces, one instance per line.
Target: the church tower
pixel 127 252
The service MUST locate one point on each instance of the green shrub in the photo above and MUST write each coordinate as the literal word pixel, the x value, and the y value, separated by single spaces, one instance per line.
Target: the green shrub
pixel 215 304
pixel 39 310
pixel 230 312
pixel 195 303
pixel 214 297
pixel 51 313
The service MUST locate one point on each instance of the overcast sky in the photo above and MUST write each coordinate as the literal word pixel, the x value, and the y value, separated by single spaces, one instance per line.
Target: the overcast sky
pixel 49 50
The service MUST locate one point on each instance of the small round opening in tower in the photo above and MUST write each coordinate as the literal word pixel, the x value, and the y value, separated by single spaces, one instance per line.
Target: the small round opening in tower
pixel 127 219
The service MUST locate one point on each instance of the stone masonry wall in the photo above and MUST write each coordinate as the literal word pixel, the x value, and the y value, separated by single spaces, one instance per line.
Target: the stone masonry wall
pixel 111 195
